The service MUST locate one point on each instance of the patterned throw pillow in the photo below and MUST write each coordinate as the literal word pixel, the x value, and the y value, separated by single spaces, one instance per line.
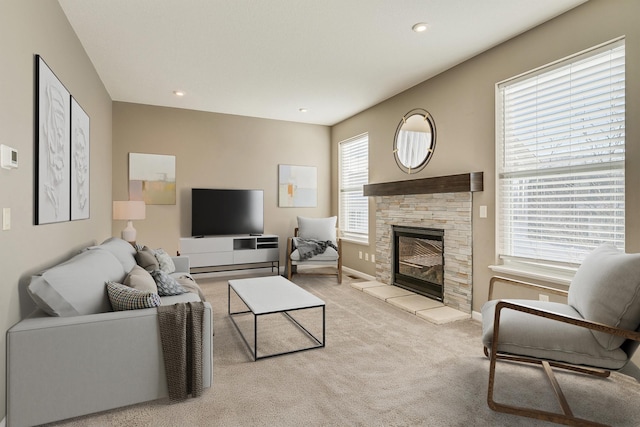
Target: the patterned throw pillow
pixel 125 298
pixel 166 284
pixel 164 261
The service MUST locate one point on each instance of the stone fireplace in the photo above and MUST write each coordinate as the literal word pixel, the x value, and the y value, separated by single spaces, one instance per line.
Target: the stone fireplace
pixel 430 203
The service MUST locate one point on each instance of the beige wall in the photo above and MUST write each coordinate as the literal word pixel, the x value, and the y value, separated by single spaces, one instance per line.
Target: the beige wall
pixel 461 101
pixel 29 27
pixel 216 151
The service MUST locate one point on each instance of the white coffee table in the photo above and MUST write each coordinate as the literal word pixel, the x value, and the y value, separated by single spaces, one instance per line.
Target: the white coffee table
pixel 269 295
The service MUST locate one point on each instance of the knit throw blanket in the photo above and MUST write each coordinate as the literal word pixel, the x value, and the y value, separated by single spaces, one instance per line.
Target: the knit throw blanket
pixel 181 336
pixel 308 248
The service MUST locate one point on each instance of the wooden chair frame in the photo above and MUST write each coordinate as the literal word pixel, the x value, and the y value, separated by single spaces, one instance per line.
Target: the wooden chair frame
pixel 566 417
pixel 290 265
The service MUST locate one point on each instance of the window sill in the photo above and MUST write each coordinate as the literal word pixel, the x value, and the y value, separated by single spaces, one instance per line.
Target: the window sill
pixel 355 241
pixel 555 277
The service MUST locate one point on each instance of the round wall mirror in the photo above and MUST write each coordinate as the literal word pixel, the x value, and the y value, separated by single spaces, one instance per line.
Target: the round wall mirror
pixel 415 140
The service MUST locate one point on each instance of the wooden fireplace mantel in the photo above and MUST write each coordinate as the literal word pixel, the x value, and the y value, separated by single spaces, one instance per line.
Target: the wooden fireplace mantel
pixel 464 182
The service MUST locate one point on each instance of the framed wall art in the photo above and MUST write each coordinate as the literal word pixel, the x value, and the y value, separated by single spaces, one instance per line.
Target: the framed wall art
pixel 53 173
pixel 152 178
pixel 297 186
pixel 79 162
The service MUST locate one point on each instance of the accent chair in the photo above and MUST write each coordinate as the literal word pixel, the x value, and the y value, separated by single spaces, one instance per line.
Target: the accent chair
pixel 595 332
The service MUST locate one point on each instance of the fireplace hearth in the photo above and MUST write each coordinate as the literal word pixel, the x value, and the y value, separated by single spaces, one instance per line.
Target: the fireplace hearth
pixel 418 260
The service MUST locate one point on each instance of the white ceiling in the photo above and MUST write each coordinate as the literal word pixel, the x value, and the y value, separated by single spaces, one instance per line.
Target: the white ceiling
pixel 269 58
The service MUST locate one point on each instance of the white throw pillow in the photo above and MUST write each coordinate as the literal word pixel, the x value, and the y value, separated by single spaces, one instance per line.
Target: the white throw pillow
pixel 322 229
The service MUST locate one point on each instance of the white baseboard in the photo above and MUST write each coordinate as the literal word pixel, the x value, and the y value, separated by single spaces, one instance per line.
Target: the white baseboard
pixel 476 315
pixel 3 422
pixel 357 273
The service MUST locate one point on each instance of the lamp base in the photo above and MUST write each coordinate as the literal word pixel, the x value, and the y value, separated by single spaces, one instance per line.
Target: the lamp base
pixel 129 233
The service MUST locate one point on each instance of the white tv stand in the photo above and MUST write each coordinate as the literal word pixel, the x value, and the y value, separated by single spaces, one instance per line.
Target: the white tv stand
pixel 230 251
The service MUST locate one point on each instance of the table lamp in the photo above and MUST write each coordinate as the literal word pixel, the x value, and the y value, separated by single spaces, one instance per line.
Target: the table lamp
pixel 129 210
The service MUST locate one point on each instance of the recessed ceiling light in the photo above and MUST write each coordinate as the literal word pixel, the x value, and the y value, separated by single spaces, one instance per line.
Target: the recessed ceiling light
pixel 303 110
pixel 178 93
pixel 420 27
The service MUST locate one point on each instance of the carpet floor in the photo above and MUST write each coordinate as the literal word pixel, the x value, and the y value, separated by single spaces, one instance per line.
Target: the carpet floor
pixel 381 367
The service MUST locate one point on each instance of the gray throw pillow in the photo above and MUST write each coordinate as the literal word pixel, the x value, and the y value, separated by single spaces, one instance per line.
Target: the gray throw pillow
pixel 125 298
pixel 166 284
pixel 146 259
pixel 606 289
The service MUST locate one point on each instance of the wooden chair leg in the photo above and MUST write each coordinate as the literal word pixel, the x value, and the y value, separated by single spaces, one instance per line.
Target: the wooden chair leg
pixel 566 417
pixel 288 255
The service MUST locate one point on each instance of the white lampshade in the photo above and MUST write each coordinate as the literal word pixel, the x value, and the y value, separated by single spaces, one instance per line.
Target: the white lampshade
pixel 129 210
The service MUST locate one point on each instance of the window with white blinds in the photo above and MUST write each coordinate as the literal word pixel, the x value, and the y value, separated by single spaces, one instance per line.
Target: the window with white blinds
pixel 560 158
pixel 354 174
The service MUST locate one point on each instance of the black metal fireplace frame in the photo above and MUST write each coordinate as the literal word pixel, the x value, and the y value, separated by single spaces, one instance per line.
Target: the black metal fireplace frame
pixel 422 287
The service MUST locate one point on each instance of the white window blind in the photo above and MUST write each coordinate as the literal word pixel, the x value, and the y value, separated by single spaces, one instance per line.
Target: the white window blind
pixel 354 174
pixel 560 158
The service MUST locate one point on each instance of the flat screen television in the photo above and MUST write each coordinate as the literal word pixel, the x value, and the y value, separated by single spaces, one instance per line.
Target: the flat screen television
pixel 225 211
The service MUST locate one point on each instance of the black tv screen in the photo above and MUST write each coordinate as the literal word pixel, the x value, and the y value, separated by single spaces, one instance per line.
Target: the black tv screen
pixel 223 212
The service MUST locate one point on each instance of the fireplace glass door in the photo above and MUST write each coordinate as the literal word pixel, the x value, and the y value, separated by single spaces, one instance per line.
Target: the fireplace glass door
pixel 419 260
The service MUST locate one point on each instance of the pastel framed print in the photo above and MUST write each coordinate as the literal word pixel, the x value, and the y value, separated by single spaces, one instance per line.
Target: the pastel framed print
pixel 152 178
pixel 297 186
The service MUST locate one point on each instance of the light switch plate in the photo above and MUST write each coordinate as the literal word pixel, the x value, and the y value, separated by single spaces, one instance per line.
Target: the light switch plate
pixel 6 218
pixel 483 211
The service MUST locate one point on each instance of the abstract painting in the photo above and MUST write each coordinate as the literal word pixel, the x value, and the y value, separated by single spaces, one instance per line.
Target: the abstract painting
pixel 297 186
pixel 79 162
pixel 152 178
pixel 53 119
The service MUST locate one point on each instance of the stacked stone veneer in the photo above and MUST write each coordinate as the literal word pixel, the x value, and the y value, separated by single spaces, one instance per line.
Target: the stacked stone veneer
pixel 450 212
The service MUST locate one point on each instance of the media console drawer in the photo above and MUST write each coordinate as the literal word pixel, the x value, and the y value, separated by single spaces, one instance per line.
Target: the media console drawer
pixel 205 244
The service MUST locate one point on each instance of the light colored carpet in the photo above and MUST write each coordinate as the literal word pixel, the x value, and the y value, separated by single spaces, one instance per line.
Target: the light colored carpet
pixel 381 367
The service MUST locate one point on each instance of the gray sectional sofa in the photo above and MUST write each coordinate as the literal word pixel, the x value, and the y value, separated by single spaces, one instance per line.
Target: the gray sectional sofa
pixel 75 356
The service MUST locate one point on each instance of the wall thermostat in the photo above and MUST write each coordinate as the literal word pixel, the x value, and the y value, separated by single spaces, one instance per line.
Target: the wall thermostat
pixel 8 156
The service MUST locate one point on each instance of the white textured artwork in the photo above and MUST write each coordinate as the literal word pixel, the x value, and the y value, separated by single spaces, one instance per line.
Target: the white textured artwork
pixel 79 162
pixel 53 156
pixel 297 186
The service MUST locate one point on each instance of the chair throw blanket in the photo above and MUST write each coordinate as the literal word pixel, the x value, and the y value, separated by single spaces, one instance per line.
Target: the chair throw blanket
pixel 181 336
pixel 307 248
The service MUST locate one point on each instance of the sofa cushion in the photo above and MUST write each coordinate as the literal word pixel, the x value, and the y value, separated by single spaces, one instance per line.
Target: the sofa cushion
pixel 164 261
pixel 123 297
pixel 140 279
pixel 322 229
pixel 121 249
pixel 166 284
pixel 606 289
pixel 77 286
pixel 146 259
pixel 329 254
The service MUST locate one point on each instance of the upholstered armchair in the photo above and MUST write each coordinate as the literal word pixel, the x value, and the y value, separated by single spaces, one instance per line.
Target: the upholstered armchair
pixel 315 243
pixel 596 332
